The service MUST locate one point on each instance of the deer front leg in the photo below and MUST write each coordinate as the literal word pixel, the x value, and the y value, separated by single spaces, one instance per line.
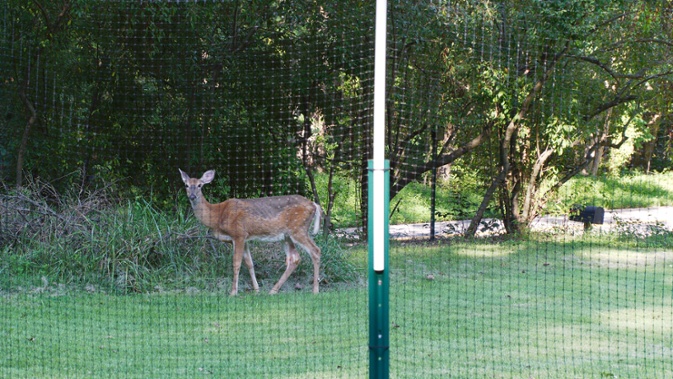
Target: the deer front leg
pixel 239 248
pixel 292 260
pixel 248 262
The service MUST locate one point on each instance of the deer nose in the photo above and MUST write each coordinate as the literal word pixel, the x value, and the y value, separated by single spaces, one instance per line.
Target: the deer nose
pixel 192 197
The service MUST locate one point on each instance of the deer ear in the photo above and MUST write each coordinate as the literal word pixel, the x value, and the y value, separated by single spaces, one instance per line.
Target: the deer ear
pixel 208 176
pixel 185 177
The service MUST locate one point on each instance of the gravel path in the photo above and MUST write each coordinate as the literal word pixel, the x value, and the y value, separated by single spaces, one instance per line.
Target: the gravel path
pixel 639 222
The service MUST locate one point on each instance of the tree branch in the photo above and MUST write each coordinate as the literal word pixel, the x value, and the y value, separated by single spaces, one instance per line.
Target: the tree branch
pixel 588 157
pixel 442 159
pixel 605 106
pixel 598 63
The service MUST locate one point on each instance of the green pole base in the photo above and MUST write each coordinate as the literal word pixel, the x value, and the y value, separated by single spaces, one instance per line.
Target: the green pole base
pixel 379 284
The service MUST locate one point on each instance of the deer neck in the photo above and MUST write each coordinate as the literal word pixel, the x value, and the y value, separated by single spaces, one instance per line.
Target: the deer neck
pixel 203 211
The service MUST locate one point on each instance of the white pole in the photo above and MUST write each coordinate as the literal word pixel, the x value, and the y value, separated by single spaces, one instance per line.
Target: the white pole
pixel 379 134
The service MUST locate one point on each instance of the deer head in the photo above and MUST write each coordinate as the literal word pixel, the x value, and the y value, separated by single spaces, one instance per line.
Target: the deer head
pixel 193 186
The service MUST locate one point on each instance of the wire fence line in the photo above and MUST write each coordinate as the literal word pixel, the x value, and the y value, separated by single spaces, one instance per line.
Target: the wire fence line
pixel 492 112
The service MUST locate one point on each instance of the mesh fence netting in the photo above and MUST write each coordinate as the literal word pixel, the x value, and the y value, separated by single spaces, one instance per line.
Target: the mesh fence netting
pixel 531 193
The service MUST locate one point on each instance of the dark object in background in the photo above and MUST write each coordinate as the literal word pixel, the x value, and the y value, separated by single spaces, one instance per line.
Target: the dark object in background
pixel 587 214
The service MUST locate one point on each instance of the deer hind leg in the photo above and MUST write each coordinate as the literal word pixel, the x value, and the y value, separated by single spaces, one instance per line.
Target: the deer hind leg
pixel 306 242
pixel 292 260
pixel 247 258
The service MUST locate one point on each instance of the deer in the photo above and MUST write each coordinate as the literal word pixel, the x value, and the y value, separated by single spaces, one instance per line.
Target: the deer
pixel 274 218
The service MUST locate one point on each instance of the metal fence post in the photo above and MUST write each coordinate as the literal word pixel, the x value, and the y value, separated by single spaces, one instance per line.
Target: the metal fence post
pixel 379 282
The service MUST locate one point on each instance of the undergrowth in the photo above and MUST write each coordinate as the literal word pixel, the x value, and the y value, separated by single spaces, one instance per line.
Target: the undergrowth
pixel 93 241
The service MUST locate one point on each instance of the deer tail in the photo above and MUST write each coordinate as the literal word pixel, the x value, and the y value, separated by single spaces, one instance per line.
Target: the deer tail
pixel 316 219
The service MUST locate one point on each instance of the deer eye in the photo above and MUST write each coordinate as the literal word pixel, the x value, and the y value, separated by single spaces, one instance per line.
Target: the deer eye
pixel 199 185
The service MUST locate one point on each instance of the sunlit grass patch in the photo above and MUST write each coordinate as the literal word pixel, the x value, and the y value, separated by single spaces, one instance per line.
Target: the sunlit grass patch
pixel 616 258
pixel 657 320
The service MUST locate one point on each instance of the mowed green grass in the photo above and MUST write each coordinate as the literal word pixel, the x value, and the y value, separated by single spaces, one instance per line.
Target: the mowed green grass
pixel 80 335
pixel 536 309
pixel 583 308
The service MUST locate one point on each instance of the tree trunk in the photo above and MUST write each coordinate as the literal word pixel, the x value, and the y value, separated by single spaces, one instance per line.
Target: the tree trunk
pixel 644 160
pixel 598 157
pixel 510 206
pixel 532 201
pixel 23 147
pixel 364 195
pixel 505 164
pixel 327 211
pixel 53 29
pixel 474 223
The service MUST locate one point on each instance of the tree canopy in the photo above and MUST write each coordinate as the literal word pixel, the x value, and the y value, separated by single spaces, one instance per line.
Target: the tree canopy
pixel 526 94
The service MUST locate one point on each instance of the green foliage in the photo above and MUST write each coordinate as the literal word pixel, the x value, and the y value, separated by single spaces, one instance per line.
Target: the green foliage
pixel 458 197
pixel 569 19
pixel 345 211
pixel 89 240
pixel 265 92
pixel 151 87
pixel 636 133
pixel 412 204
pixel 626 191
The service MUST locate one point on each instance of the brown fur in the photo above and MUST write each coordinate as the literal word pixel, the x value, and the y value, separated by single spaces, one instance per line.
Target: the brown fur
pixel 275 218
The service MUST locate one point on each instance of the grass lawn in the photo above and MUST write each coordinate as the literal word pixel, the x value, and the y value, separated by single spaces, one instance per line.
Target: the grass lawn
pixel 533 310
pixel 81 335
pixel 579 308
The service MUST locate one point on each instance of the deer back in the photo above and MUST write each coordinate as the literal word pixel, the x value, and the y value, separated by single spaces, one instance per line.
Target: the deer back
pixel 266 218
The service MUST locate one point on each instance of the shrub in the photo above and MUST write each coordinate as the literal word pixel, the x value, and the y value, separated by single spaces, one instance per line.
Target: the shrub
pixel 87 239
